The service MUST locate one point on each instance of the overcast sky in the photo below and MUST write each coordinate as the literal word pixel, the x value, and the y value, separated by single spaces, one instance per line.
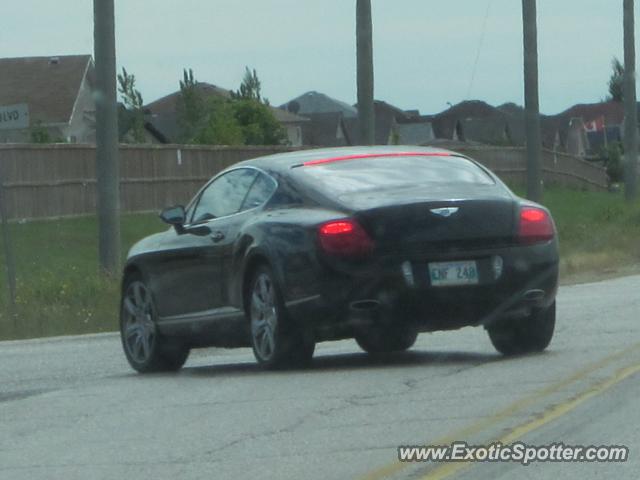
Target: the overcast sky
pixel 425 50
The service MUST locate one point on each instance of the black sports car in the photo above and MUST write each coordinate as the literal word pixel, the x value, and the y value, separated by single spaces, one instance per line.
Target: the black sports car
pixel 372 243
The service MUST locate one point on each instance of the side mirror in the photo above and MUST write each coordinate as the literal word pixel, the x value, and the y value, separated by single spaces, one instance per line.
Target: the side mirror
pixel 175 216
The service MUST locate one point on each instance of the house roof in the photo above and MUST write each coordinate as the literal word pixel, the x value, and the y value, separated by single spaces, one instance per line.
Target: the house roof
pixel 384 108
pixel 48 85
pixel 613 112
pixel 316 102
pixel 169 103
pixel 469 109
pixel 511 108
pixel 164 126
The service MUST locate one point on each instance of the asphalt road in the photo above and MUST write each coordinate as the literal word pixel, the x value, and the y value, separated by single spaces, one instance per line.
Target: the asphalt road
pixel 71 408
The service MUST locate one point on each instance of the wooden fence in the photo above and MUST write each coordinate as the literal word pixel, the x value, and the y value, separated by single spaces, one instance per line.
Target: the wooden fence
pixel 510 164
pixel 59 180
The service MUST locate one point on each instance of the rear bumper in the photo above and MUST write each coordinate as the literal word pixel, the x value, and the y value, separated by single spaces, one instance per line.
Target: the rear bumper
pixel 343 301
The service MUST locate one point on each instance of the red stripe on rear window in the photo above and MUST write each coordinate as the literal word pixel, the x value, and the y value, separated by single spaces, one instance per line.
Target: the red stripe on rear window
pixel 321 161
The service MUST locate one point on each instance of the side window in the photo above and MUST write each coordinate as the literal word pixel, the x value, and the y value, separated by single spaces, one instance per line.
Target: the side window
pixel 224 196
pixel 260 191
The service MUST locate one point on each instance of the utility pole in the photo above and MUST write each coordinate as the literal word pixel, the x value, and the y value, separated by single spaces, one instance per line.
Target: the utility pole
pixel 10 262
pixel 107 167
pixel 630 108
pixel 364 41
pixel 532 101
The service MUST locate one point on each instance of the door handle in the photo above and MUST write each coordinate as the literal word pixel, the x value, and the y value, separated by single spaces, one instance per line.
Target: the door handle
pixel 217 236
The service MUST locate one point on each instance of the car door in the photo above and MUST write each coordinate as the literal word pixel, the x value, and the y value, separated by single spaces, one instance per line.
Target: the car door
pixel 229 229
pixel 190 278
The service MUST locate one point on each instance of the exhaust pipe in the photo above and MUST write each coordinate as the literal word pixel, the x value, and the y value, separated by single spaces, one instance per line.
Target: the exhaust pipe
pixel 534 295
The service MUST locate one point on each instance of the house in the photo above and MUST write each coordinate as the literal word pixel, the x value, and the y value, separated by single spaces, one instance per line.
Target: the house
pixel 581 130
pixel 56 95
pixel 162 115
pixel 479 122
pixel 387 119
pixel 293 125
pixel 326 130
pixel 492 130
pixel 335 123
pixel 447 125
pixel 610 113
pixel 394 126
pixel 577 143
pixel 601 123
pixel 417 133
pixel 126 119
pixel 600 139
pixel 514 116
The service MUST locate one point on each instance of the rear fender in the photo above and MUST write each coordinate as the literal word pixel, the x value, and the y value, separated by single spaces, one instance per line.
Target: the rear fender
pixel 287 243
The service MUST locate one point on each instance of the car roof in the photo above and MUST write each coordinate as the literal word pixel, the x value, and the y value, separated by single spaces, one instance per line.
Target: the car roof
pixel 283 162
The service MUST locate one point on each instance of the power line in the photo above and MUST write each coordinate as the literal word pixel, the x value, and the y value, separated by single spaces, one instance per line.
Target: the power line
pixel 480 45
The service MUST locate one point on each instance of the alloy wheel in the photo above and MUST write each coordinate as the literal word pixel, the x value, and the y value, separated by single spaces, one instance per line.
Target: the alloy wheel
pixel 139 329
pixel 264 317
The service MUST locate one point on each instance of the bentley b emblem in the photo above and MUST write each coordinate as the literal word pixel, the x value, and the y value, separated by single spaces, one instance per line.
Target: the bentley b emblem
pixel 445 212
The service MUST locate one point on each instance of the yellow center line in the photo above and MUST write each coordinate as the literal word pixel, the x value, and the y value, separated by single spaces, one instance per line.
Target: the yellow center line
pixel 553 413
pixel 517 406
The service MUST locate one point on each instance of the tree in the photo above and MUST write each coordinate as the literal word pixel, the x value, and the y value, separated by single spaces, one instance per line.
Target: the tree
pixel 250 86
pixel 221 126
pixel 612 156
pixel 191 108
pixel 133 104
pixel 616 82
pixel 364 48
pixel 40 134
pixel 253 114
pixel 259 125
pixel 243 119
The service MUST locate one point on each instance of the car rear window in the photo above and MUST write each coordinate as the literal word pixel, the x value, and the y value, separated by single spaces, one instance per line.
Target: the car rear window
pixel 348 176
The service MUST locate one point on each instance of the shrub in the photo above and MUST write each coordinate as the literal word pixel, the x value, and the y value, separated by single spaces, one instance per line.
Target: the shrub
pixel 614 163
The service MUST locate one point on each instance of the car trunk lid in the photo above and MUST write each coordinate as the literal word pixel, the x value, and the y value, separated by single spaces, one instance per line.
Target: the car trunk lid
pixel 412 221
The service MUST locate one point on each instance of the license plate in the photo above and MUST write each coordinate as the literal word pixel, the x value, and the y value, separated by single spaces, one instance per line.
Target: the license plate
pixel 449 274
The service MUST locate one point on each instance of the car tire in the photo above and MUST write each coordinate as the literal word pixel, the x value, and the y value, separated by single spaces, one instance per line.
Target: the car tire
pixel 531 334
pixel 386 340
pixel 146 349
pixel 277 341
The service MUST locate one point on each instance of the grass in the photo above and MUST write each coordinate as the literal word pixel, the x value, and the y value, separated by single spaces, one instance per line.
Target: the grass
pixel 599 233
pixel 59 289
pixel 60 292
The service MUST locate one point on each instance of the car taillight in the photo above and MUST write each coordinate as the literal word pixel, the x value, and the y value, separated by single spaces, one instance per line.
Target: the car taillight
pixel 345 238
pixel 535 226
